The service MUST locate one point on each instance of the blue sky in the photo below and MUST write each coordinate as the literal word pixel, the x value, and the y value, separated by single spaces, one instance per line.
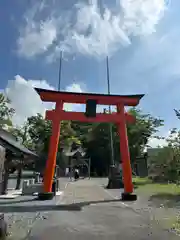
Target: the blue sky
pixel 141 37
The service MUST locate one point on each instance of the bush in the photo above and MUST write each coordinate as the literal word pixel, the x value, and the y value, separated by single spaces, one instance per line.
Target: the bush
pixel 165 166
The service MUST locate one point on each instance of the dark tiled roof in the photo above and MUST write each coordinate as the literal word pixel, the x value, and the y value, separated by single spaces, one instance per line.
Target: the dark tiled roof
pixel 73 153
pixel 8 141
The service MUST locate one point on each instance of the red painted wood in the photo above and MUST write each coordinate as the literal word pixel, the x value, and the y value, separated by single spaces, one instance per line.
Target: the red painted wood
pixel 58 115
pixel 79 116
pixel 52 153
pixel 124 150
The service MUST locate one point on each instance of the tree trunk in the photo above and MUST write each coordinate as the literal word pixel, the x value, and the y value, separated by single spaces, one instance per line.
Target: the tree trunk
pixel 18 183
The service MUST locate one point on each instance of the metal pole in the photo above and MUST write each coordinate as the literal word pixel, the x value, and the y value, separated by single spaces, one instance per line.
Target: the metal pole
pixel 59 78
pixel 60 68
pixel 110 125
pixel 89 168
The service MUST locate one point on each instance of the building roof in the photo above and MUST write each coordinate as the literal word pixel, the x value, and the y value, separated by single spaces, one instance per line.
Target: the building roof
pixel 8 141
pixel 73 153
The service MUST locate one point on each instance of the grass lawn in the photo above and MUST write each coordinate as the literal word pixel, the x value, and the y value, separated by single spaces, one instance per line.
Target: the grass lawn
pixel 165 196
pixel 146 186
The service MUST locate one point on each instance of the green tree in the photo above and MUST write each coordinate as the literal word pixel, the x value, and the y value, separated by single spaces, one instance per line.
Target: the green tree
pixel 39 131
pixel 68 134
pixel 82 131
pixel 139 133
pixel 166 165
pixel 6 112
pixel 98 143
pixel 21 136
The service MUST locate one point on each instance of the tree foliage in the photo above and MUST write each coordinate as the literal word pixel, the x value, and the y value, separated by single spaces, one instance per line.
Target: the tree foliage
pixel 94 137
pixel 98 140
pixel 139 133
pixel 40 129
pixel 166 165
pixel 6 112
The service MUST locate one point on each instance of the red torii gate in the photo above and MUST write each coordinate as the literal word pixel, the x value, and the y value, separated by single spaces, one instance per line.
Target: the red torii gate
pixel 58 114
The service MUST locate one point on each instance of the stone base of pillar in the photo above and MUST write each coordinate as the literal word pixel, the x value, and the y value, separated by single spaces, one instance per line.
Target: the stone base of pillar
pixel 115 179
pixel 49 195
pixel 128 197
pixel 46 196
pixel 115 183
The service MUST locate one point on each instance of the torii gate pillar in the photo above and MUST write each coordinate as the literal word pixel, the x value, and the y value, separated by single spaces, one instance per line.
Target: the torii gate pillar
pixel 52 152
pixel 120 118
pixel 125 156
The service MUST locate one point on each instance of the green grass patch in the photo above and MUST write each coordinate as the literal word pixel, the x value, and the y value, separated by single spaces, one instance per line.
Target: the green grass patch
pixel 161 195
pixel 141 181
pixel 146 186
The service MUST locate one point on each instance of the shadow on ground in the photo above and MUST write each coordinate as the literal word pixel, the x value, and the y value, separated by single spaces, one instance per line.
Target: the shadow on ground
pixel 41 208
pixel 17 201
pixel 165 199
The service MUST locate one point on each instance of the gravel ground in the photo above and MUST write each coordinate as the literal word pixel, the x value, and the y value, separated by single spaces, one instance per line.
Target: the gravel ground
pixel 160 214
pixel 86 211
pixel 24 212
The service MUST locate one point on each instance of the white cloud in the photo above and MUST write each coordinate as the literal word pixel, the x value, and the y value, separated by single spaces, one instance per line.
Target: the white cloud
pixel 27 102
pixel 36 34
pixel 162 140
pixel 141 16
pixel 36 38
pixel 74 87
pixel 92 31
pixel 24 98
pixel 169 135
pixel 154 142
pixel 109 31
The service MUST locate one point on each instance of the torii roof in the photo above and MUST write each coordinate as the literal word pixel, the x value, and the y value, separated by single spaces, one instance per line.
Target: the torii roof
pixel 74 97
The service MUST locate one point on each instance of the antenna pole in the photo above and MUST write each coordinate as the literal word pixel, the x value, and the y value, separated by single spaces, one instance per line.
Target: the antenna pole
pixel 110 125
pixel 60 68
